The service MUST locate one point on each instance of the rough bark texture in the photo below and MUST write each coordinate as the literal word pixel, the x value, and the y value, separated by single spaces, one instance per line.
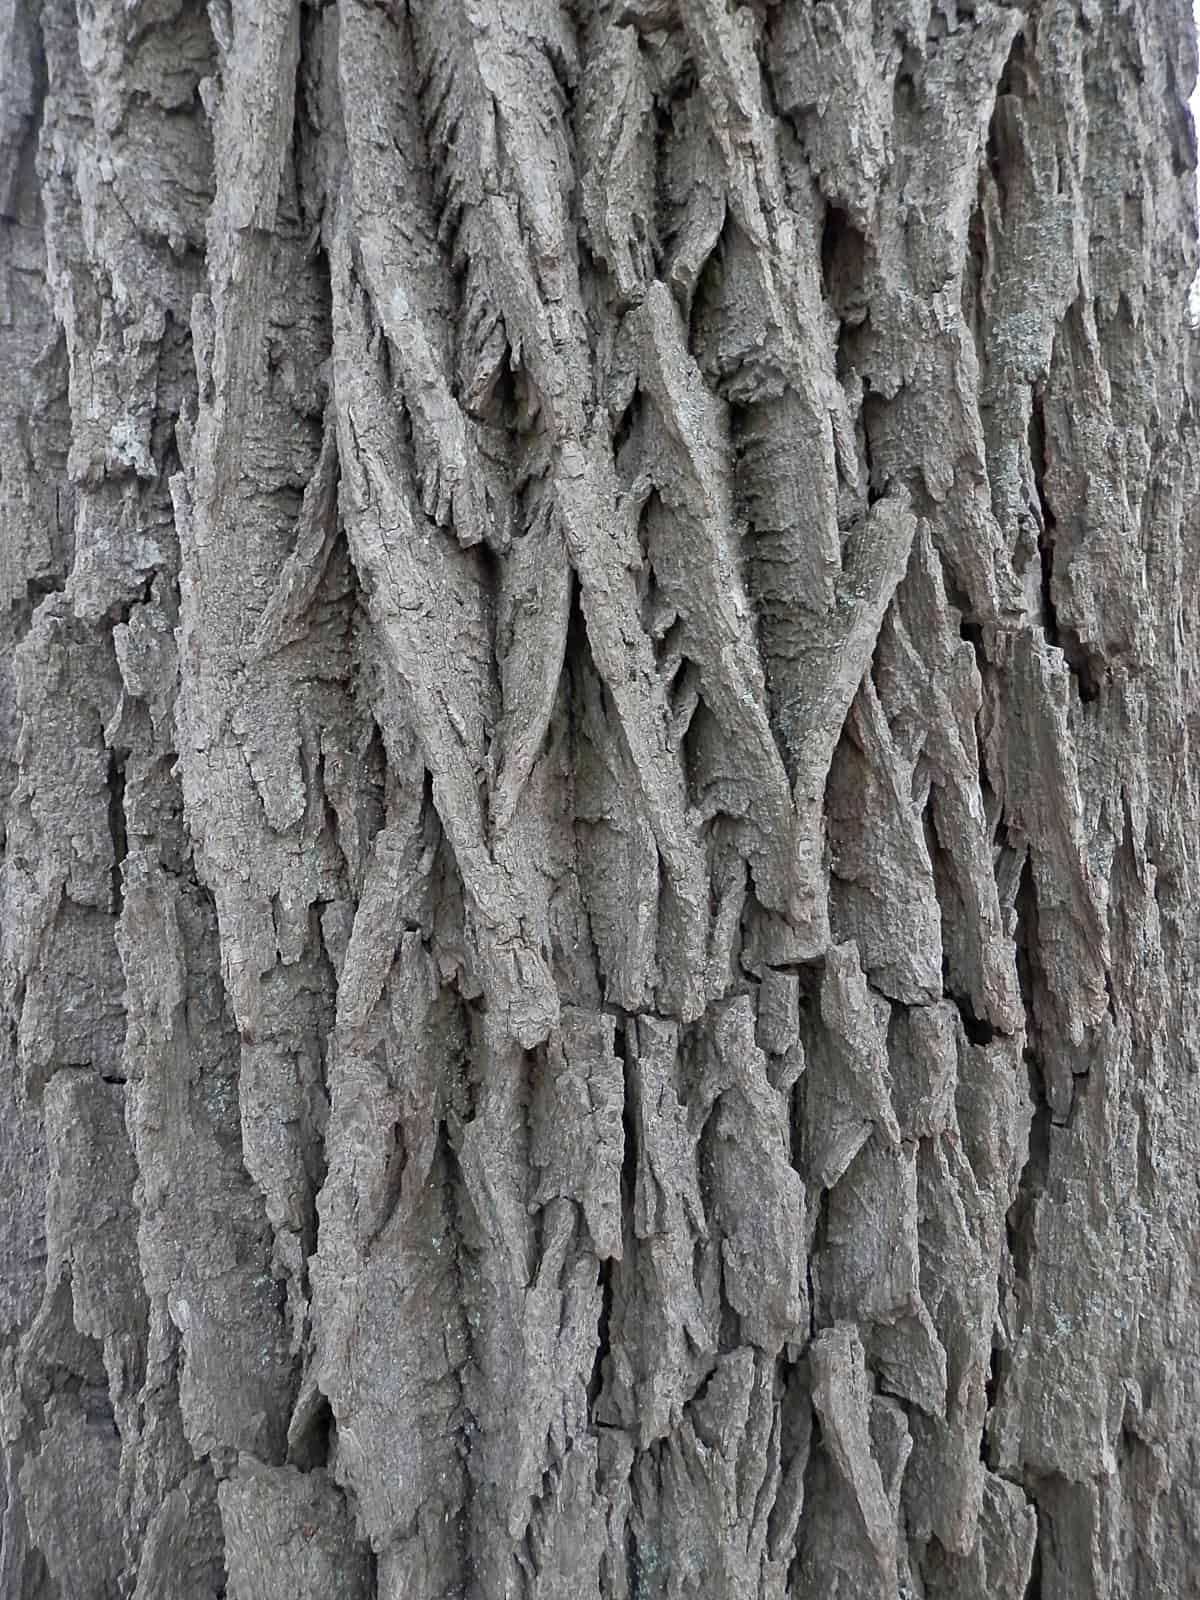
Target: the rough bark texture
pixel 600 874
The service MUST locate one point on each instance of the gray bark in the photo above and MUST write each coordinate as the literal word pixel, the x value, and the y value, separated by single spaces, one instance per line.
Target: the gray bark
pixel 599 933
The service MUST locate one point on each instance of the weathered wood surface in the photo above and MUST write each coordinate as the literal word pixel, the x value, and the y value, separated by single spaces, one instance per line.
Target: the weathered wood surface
pixel 599 903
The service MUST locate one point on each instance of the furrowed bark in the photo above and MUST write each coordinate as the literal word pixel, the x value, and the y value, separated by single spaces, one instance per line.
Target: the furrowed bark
pixel 598 930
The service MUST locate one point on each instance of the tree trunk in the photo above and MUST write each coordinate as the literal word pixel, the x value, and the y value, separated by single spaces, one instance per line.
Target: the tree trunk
pixel 600 870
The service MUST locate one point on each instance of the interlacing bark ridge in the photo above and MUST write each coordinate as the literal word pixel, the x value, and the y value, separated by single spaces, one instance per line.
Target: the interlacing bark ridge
pixel 599 903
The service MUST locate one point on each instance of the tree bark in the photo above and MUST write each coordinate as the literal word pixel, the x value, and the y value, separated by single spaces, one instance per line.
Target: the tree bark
pixel 600 876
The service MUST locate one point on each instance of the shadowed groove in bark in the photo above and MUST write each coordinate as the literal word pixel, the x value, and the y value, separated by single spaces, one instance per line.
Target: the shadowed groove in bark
pixel 597 907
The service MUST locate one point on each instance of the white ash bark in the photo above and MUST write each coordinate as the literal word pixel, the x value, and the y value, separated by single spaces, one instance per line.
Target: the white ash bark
pixel 599 900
